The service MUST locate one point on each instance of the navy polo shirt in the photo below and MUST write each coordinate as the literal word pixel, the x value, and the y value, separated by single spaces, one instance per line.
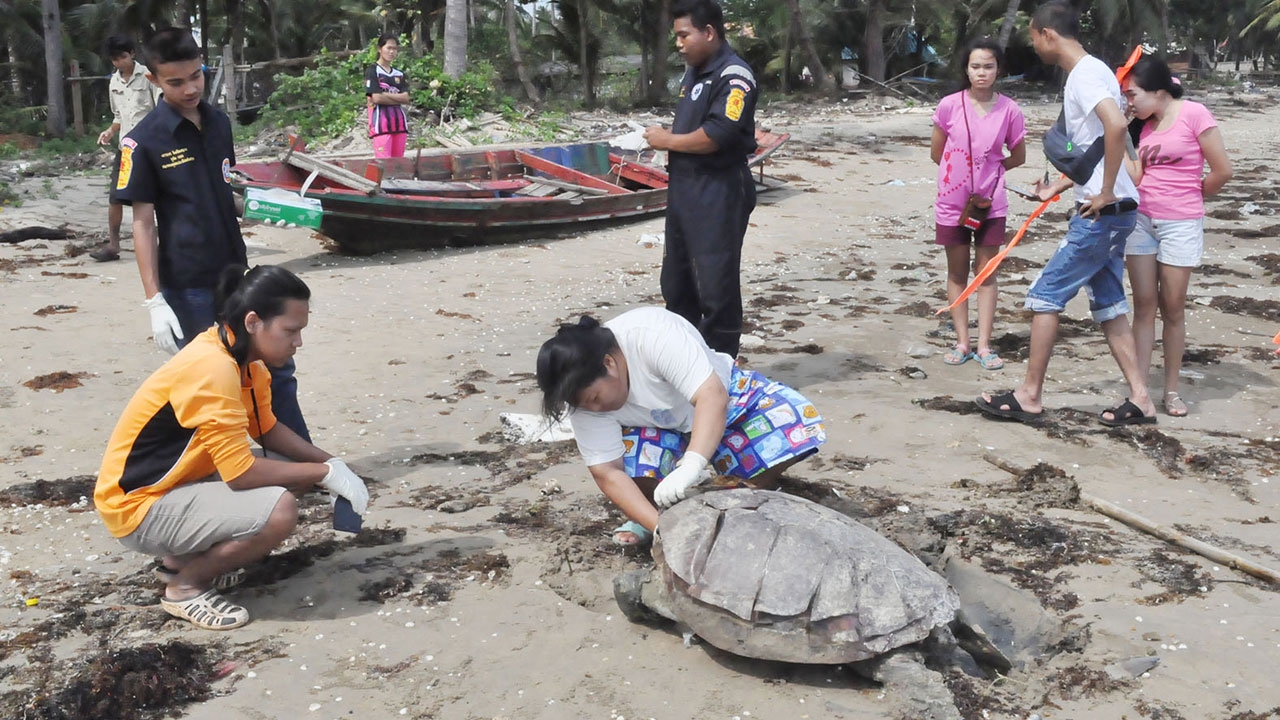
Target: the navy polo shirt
pixel 186 173
pixel 719 97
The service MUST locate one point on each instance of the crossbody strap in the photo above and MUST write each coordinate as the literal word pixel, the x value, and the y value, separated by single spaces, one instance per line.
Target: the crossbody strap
pixel 973 176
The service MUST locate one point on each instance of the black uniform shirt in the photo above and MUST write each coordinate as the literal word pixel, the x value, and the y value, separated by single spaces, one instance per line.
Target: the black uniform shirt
pixel 186 173
pixel 720 98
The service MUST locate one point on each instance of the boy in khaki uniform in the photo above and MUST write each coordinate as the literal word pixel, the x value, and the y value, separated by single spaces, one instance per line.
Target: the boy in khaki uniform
pixel 132 97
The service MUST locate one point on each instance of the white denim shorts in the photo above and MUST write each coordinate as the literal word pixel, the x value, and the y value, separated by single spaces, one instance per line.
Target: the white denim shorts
pixel 1179 243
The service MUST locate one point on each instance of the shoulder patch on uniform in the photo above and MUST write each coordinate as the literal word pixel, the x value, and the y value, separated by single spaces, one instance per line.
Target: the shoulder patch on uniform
pixel 126 163
pixel 740 71
pixel 734 104
pixel 128 142
pixel 740 83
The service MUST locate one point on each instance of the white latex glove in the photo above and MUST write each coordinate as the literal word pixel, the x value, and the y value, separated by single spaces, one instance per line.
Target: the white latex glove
pixel 342 481
pixel 689 472
pixel 165 327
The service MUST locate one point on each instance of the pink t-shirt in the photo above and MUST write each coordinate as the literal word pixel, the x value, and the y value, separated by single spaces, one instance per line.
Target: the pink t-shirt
pixel 1172 163
pixel 1002 127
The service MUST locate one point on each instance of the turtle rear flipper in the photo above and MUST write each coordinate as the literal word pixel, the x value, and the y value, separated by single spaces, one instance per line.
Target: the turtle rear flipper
pixel 974 640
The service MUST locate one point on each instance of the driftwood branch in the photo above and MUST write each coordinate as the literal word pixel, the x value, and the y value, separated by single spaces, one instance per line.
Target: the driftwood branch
pixel 1170 535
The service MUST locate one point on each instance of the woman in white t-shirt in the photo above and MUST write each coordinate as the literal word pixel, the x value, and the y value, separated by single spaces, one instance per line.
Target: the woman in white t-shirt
pixel 655 411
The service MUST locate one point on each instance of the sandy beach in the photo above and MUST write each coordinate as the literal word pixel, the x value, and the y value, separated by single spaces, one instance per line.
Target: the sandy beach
pixel 500 605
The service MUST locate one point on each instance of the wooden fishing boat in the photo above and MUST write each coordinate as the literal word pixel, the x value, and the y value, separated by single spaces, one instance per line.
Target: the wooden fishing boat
pixel 470 197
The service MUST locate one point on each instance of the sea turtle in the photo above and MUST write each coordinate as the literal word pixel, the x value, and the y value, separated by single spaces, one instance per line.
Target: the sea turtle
pixel 769 575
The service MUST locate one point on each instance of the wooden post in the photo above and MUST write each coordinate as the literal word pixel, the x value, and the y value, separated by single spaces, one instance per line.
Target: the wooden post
pixel 229 82
pixel 77 101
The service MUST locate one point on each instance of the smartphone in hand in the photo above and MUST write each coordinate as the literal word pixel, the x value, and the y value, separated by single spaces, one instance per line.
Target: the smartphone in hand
pixel 345 518
pixel 1026 192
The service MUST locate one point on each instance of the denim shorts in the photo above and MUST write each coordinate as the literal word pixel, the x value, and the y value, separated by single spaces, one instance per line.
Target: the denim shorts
pixel 1091 256
pixel 1179 243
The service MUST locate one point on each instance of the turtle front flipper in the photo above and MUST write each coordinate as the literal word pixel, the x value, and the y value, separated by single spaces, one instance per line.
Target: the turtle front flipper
pixel 913 690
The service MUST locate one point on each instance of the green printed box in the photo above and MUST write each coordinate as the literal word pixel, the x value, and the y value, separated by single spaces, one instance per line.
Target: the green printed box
pixel 281 207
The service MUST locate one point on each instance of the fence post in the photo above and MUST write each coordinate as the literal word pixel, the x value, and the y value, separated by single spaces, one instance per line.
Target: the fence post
pixel 229 82
pixel 77 102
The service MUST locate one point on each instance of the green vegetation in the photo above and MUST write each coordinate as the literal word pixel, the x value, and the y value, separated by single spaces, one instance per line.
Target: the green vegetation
pixel 8 150
pixel 8 198
pixel 329 100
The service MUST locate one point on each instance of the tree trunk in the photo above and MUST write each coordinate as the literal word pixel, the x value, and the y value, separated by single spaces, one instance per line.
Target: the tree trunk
pixel 269 16
pixel 1010 20
pixel 455 38
pixel 584 57
pixel 786 56
pixel 513 40
pixel 872 40
pixel 15 72
pixel 204 29
pixel 657 30
pixel 56 119
pixel 825 83
pixel 235 29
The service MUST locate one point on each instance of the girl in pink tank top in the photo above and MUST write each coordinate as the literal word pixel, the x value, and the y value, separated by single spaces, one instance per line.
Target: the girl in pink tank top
pixel 1176 138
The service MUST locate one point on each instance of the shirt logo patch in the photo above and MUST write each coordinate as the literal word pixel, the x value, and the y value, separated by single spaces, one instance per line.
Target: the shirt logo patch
pixel 126 163
pixel 733 106
pixel 226 170
pixel 739 82
pixel 697 90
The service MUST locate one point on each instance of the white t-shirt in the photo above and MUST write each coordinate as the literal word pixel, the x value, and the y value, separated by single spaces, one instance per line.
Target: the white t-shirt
pixel 667 361
pixel 1089 83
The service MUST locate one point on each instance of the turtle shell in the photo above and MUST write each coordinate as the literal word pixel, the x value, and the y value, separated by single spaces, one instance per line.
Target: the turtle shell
pixel 773 576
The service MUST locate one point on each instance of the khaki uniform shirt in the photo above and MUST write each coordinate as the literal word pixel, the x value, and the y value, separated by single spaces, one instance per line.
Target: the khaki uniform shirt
pixel 131 99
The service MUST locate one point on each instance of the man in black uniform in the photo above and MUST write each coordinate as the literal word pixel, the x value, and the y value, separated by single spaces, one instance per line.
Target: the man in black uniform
pixel 711 193
pixel 177 160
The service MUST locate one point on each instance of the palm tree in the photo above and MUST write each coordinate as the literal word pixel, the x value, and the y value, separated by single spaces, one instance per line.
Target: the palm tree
pixel 1010 19
pixel 455 38
pixel 819 70
pixel 56 117
pixel 513 40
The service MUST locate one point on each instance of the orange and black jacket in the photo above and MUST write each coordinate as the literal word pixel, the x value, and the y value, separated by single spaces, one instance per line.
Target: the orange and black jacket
pixel 193 417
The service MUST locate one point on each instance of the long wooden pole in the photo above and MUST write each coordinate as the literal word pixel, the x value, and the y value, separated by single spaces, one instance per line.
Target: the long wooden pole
pixel 1138 522
pixel 1199 547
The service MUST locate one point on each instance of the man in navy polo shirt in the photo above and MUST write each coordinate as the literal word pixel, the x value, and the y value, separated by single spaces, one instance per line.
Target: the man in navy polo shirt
pixel 177 161
pixel 711 193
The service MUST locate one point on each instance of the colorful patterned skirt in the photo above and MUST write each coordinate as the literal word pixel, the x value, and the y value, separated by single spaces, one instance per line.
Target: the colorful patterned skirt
pixel 767 425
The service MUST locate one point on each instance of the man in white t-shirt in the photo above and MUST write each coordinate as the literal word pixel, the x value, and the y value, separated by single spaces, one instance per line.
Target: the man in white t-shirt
pixel 1092 254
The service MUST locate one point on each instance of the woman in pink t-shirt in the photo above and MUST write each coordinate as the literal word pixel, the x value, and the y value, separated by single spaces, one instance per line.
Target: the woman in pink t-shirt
pixel 1177 138
pixel 971 130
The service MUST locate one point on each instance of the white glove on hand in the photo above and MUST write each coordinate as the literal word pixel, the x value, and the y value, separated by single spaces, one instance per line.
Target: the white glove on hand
pixel 342 481
pixel 165 327
pixel 688 472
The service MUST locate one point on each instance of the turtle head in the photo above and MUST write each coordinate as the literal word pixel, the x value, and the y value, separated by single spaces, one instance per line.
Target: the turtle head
pixel 639 596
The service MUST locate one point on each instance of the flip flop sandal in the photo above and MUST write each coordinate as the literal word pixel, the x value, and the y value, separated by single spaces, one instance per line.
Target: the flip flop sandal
pixel 225 581
pixel 208 610
pixel 1126 414
pixel 643 536
pixel 989 360
pixel 1014 410
pixel 957 355
pixel 1174 405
